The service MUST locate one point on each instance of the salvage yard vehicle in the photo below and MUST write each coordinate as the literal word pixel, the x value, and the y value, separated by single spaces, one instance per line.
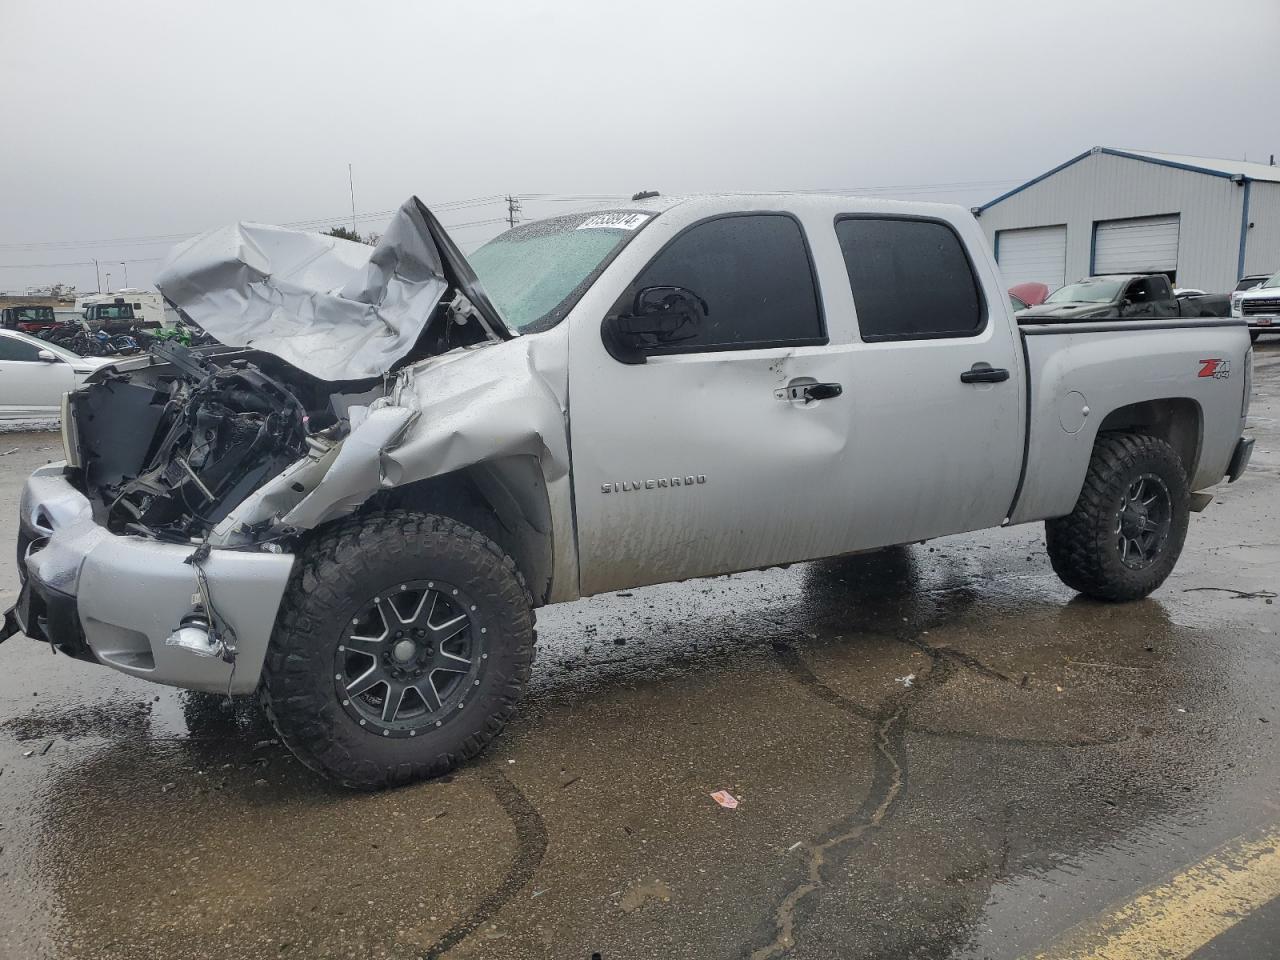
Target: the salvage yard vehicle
pixel 1123 296
pixel 35 375
pixel 1259 306
pixel 28 319
pixel 354 504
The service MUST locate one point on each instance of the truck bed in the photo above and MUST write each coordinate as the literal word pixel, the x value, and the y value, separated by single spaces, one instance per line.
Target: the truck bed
pixel 1196 366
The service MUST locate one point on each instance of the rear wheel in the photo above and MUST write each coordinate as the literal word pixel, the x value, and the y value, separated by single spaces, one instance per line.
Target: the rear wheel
pixel 1126 532
pixel 403 644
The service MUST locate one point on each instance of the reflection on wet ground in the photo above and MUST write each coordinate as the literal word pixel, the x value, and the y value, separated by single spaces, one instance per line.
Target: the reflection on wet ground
pixel 938 751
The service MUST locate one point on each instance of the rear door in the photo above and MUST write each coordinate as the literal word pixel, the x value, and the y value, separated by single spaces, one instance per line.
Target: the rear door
pixel 936 390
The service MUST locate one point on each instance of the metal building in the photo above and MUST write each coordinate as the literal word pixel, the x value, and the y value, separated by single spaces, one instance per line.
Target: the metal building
pixel 1203 221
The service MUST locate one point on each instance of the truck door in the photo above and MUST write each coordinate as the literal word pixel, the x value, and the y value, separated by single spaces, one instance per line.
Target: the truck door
pixel 722 450
pixel 936 391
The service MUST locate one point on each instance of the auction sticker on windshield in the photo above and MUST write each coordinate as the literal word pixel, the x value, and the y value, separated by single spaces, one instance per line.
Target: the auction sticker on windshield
pixel 615 221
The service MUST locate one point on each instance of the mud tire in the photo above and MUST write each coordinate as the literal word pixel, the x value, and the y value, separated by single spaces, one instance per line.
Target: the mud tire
pixel 342 569
pixel 1083 546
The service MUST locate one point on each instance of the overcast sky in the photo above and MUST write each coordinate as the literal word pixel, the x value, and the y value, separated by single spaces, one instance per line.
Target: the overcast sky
pixel 140 120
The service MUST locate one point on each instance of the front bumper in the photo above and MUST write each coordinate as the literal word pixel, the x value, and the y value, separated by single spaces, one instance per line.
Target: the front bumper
pixel 1240 459
pixel 116 599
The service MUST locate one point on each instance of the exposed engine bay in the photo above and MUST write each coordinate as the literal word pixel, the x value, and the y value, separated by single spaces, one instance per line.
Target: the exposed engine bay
pixel 311 329
pixel 168 449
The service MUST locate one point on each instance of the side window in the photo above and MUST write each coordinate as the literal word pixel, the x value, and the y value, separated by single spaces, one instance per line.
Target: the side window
pixel 911 279
pixel 13 349
pixel 1145 290
pixel 754 273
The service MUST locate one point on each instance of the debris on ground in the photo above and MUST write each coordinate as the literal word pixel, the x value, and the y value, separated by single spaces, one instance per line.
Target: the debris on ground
pixel 725 799
pixel 906 681
pixel 637 895
pixel 1267 595
pixel 7 452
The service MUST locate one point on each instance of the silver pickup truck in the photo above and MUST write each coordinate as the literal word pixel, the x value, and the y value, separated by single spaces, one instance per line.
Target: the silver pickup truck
pixel 355 503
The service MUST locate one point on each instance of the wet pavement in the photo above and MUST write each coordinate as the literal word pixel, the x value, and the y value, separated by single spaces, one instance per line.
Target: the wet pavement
pixel 939 752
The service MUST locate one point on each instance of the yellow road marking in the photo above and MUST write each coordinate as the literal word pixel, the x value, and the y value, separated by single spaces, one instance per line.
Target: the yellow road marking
pixel 1175 918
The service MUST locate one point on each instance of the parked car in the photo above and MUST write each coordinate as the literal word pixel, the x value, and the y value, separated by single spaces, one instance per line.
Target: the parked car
pixel 27 319
pixel 1259 306
pixel 34 375
pixel 1143 296
pixel 1251 281
pixel 1031 293
pixel 358 516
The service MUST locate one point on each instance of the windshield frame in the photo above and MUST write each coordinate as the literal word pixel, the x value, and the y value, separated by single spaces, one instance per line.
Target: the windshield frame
pixel 553 317
pixel 1098 281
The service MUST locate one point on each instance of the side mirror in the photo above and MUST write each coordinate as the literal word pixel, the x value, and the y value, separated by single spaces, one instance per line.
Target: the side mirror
pixel 47 356
pixel 659 317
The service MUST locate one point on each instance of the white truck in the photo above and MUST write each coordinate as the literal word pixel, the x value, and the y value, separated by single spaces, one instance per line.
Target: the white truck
pixel 122 308
pixel 354 505
pixel 1258 305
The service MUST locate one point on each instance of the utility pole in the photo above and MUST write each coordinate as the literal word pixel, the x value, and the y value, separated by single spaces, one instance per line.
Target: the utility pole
pixel 513 210
pixel 97 275
pixel 108 283
pixel 351 183
pixel 126 272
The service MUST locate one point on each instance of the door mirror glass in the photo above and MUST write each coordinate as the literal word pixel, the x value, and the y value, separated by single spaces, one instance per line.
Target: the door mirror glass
pixel 659 316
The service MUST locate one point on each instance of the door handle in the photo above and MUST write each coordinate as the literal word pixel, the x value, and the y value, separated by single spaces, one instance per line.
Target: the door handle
pixel 982 372
pixel 808 392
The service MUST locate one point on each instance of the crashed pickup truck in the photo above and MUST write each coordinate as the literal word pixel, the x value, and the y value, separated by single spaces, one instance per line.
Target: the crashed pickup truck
pixel 1136 296
pixel 354 504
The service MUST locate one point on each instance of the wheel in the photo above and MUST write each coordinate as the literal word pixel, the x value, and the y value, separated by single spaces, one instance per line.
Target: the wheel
pixel 403 645
pixel 1125 534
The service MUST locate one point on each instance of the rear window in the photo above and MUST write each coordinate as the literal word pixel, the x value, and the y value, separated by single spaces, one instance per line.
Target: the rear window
pixel 911 279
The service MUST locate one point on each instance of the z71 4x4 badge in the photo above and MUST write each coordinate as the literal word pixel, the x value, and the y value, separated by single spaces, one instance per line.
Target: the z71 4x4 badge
pixel 1218 369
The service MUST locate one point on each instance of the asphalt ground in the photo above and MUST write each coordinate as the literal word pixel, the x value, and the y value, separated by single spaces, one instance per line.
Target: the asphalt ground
pixel 938 752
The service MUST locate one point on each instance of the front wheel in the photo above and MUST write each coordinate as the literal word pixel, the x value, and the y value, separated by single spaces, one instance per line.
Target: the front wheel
pixel 403 644
pixel 1126 532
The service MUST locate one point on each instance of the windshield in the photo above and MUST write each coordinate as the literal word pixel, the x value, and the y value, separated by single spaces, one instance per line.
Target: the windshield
pixel 535 273
pixel 1248 283
pixel 35 313
pixel 1086 291
pixel 1273 281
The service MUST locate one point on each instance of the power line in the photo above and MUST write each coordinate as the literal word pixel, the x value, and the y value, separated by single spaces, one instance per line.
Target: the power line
pixel 301 224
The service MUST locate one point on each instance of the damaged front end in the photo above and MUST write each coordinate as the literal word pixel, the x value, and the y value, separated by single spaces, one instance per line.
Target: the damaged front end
pixel 169 450
pixel 171 528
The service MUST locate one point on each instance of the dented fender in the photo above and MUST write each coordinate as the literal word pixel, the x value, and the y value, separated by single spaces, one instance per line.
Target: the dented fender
pixel 471 406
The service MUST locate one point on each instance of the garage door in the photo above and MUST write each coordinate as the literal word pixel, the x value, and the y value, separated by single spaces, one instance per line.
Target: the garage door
pixel 1139 245
pixel 1035 254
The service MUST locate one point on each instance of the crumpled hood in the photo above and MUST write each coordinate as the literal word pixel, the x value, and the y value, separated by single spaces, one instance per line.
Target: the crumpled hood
pixel 335 309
